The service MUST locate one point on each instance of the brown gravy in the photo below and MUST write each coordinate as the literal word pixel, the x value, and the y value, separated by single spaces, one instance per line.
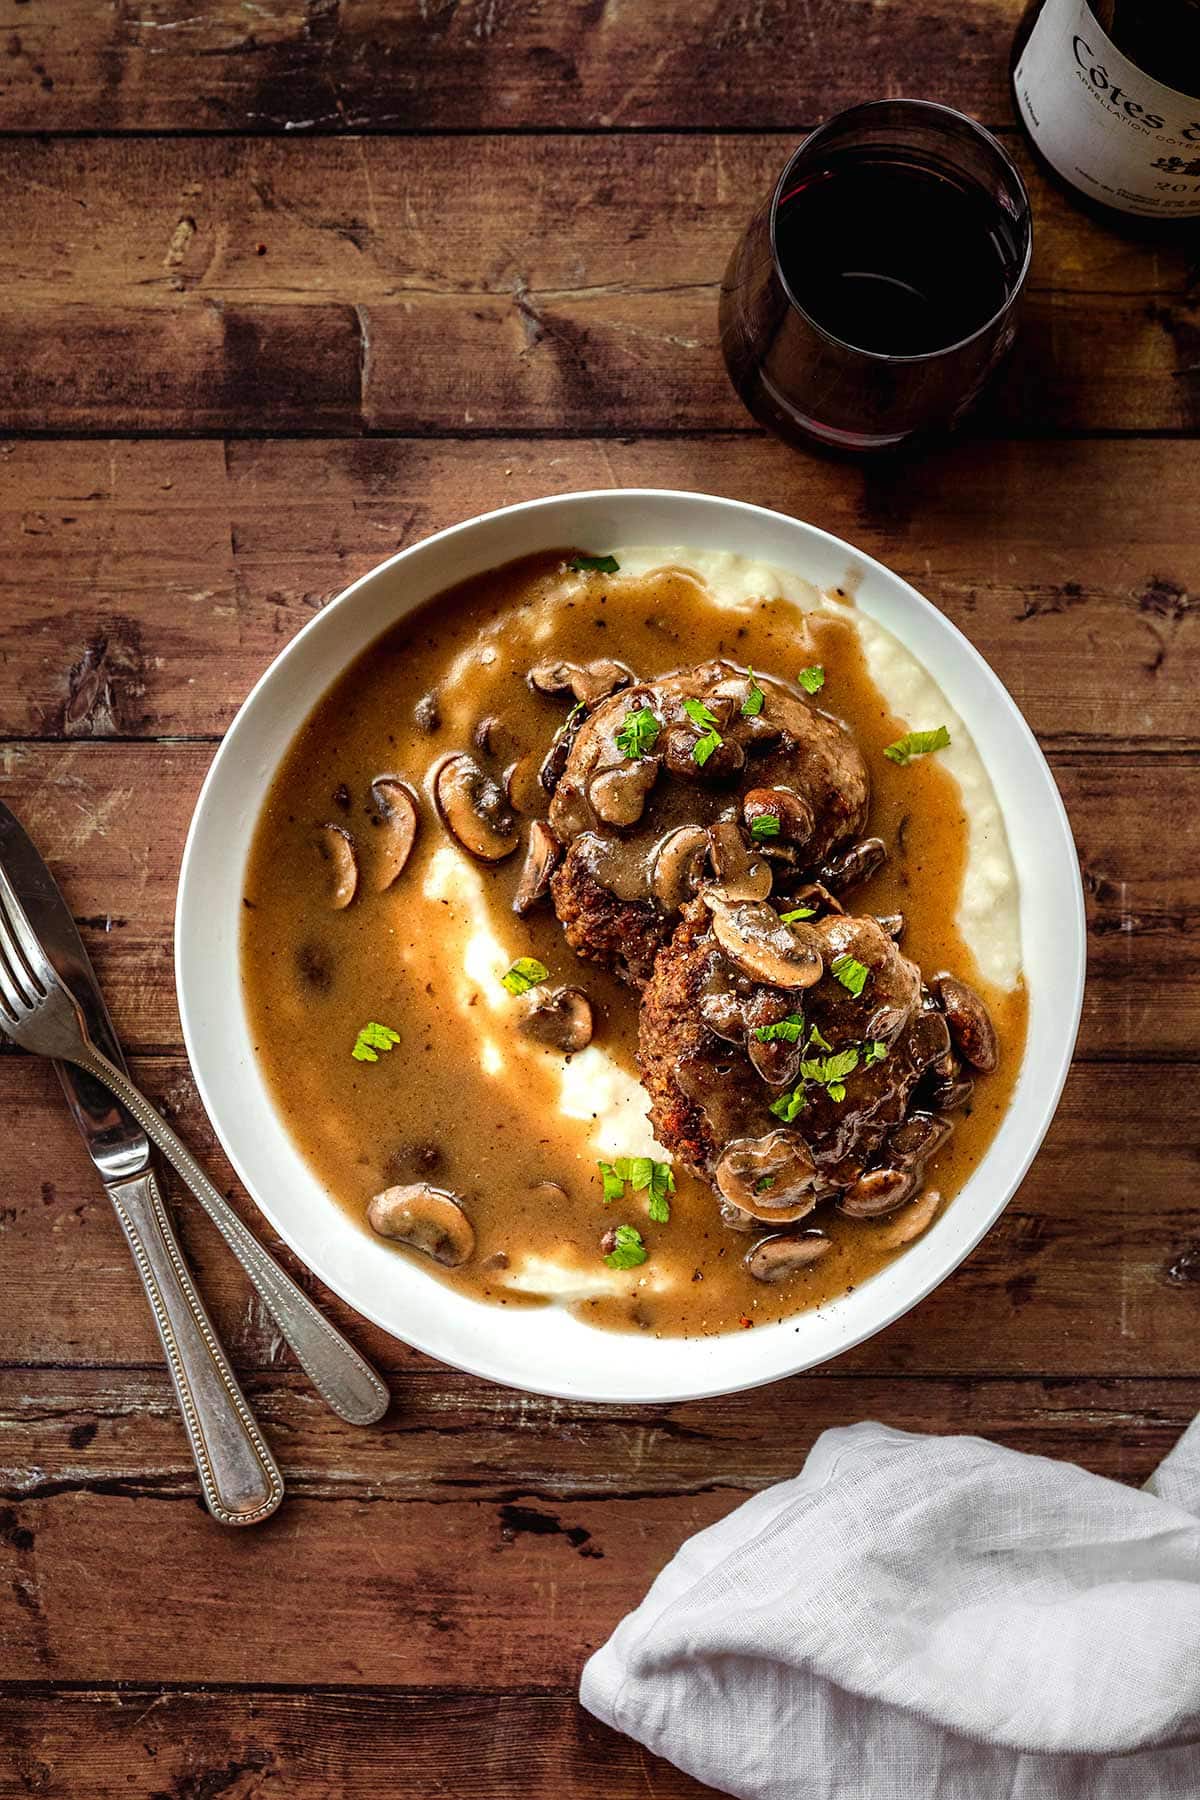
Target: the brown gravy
pixel 430 1110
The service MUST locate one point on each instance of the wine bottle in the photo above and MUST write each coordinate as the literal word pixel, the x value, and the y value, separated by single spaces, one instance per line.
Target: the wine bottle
pixel 1109 93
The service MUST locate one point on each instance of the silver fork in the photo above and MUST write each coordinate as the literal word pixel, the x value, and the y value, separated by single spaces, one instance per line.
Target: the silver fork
pixel 40 1013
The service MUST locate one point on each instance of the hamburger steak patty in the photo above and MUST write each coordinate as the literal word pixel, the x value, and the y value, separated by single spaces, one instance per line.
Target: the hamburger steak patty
pixel 635 810
pixel 781 1120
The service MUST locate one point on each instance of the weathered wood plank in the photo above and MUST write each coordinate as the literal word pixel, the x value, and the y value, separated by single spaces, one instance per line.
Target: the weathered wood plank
pixel 300 65
pixel 424 1591
pixel 329 286
pixel 379 219
pixel 362 1590
pixel 144 587
pixel 118 859
pixel 149 1743
pixel 449 1436
pixel 484 364
pixel 1092 1270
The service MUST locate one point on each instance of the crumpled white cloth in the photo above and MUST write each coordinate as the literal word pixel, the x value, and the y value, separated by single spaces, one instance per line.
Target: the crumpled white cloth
pixel 925 1618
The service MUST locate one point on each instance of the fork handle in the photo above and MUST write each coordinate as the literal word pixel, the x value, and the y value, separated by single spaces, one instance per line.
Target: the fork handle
pixel 237 1472
pixel 343 1378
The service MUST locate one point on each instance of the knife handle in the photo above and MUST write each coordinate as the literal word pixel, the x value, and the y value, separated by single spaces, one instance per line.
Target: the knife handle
pixel 237 1472
pixel 344 1379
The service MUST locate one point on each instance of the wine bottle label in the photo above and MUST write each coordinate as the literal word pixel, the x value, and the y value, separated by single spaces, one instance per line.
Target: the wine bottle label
pixel 1116 135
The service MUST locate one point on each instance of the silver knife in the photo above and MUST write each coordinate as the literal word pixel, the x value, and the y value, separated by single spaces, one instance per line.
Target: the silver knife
pixel 238 1474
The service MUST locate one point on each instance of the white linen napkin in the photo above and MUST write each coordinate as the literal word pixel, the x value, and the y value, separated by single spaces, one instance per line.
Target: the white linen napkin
pixel 925 1618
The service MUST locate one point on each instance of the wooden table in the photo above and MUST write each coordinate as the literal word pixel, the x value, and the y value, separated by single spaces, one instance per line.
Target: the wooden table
pixel 287 285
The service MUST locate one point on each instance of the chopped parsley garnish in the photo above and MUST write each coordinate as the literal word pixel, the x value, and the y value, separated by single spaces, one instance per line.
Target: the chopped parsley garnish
pixel 752 705
pixel 798 912
pixel 763 1183
pixel 784 1031
pixel 614 1185
pixel 698 713
pixel 638 734
pixel 593 565
pixel 812 679
pixel 917 743
pixel 788 1105
pixel 814 1037
pixel 830 1072
pixel 371 1040
pixel 766 825
pixel 873 1053
pixel 852 974
pixel 525 973
pixel 711 738
pixel 628 1251
pixel 641 1172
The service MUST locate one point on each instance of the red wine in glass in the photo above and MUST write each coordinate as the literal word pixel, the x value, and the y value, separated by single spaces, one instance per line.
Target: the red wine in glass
pixel 874 294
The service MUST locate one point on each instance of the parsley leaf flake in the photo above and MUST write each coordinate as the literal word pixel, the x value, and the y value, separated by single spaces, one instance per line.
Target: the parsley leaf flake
pixel 852 974
pixel 638 734
pixel 525 973
pixel 917 743
pixel 752 705
pixel 628 1251
pixel 593 565
pixel 372 1039
pixel 812 679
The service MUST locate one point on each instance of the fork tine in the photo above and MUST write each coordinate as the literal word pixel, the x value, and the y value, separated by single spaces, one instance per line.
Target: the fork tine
pixel 22 939
pixel 13 1003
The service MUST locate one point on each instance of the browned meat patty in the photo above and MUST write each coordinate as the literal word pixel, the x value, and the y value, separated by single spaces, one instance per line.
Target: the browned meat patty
pixel 624 935
pixel 768 1075
pixel 660 787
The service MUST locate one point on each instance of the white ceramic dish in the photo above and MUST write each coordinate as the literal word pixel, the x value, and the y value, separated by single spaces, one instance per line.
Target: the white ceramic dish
pixel 545 1349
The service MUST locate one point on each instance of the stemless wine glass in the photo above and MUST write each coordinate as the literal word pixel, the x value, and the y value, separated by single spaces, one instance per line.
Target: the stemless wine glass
pixel 876 290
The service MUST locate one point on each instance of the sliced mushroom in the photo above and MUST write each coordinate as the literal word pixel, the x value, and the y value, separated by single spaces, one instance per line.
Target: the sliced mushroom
pixel 773 1259
pixel 677 745
pixel 770 1177
pixel 775 1059
pixel 336 847
pixel 757 942
pixel 878 1191
pixel 757 731
pixel 856 864
pixel 970 1023
pixel 550 1193
pixel 552 677
pixel 588 682
pixel 814 894
pixel 473 809
pixel 928 1039
pixel 917 1139
pixel 428 713
pixel 678 866
pixel 952 1090
pixel 542 855
pixel 558 1017
pixel 396 806
pixel 794 814
pixel 618 796
pixel 909 1224
pixel 740 873
pixel 494 738
pixel 425 1218
pixel 523 786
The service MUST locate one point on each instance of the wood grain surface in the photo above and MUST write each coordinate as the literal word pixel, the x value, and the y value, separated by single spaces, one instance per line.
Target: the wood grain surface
pixel 288 286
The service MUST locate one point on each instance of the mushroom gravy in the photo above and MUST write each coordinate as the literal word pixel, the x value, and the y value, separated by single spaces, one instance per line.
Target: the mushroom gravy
pixel 333 940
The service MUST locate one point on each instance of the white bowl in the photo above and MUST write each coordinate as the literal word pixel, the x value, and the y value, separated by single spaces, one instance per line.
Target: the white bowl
pixel 546 1350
